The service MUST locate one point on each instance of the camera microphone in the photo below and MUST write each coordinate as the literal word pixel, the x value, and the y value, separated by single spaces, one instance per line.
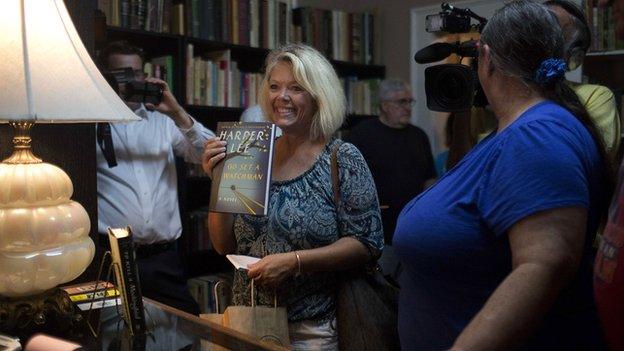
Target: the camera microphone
pixel 434 52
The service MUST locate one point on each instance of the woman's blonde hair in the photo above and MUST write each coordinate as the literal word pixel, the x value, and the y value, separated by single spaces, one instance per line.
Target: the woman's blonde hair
pixel 317 76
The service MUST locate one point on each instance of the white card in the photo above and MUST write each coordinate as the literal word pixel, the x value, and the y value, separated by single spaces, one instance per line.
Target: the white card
pixel 242 261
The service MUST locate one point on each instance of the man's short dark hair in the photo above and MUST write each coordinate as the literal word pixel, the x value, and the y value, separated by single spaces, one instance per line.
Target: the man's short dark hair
pixel 120 47
pixel 581 36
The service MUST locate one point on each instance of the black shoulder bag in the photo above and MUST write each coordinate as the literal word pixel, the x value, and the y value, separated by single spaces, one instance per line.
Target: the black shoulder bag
pixel 366 304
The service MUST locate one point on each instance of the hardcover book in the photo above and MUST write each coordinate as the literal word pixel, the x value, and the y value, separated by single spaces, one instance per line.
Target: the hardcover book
pixel 240 183
pixel 127 276
pixel 89 296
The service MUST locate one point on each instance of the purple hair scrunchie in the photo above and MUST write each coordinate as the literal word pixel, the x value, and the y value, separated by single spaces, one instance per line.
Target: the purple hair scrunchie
pixel 550 69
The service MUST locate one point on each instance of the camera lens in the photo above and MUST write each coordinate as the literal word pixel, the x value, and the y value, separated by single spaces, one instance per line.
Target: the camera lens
pixel 449 87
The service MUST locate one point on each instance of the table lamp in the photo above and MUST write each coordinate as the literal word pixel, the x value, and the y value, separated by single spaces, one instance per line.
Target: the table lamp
pixel 46 76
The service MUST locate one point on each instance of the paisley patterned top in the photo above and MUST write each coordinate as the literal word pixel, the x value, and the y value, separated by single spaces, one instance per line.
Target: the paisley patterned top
pixel 302 216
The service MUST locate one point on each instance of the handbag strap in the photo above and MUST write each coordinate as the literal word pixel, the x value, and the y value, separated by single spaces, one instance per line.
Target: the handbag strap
pixel 334 173
pixel 336 186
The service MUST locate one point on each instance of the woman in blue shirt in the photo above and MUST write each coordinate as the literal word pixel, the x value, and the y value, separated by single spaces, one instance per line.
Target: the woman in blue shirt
pixel 497 254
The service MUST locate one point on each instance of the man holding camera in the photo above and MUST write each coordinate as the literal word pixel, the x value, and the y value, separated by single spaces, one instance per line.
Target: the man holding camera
pixel 137 180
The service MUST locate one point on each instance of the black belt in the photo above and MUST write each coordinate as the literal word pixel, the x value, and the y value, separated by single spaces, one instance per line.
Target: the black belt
pixel 146 250
pixel 143 250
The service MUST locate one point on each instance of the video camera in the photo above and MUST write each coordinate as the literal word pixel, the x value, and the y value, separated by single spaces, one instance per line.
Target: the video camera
pixel 133 90
pixel 452 87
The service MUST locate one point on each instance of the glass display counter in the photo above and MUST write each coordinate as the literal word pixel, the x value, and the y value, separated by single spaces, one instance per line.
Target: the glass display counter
pixel 169 329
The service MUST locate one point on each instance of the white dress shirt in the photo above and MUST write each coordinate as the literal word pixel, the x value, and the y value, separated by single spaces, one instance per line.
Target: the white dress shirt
pixel 142 190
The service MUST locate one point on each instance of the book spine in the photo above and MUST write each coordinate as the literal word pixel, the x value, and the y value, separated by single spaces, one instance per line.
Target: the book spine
pixel 133 294
pixel 128 280
pixel 94 295
pixel 89 305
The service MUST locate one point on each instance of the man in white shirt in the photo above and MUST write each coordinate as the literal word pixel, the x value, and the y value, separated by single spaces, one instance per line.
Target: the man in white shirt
pixel 141 189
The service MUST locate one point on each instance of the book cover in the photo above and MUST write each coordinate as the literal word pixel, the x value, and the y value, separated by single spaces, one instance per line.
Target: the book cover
pixel 241 181
pixel 127 274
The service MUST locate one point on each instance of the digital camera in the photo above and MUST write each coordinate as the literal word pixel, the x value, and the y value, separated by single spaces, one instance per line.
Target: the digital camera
pixel 452 87
pixel 133 90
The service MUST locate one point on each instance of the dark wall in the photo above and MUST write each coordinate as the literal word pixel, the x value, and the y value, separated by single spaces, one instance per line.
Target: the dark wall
pixel 69 146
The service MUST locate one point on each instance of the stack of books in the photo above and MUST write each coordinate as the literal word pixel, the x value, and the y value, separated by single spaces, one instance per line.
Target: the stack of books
pixel 93 295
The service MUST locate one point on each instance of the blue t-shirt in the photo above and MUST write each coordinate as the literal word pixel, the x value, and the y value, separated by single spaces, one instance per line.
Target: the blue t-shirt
pixel 452 238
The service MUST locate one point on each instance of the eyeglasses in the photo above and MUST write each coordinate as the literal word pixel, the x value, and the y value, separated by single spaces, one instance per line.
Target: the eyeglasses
pixel 403 102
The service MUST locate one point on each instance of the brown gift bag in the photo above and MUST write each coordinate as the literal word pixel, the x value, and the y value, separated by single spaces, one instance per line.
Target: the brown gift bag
pixel 268 324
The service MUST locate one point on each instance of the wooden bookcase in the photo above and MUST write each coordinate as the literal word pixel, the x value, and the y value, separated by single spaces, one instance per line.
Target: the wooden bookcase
pixel 194 191
pixel 604 64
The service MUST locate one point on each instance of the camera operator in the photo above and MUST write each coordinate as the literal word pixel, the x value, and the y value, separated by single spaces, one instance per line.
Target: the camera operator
pixel 497 254
pixel 598 100
pixel 141 189
pixel 609 268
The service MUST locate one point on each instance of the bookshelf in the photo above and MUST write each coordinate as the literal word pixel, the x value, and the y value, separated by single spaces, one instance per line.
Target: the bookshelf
pixel 604 63
pixel 247 49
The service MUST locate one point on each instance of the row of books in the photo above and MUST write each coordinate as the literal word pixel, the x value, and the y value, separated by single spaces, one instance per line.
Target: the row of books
pixel 602 26
pixel 362 95
pixel 213 293
pixel 337 34
pixel 213 79
pixel 93 295
pixel 196 236
pixel 153 15
pixel 256 23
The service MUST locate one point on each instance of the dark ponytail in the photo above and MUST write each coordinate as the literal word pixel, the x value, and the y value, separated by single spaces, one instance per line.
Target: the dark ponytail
pixel 563 95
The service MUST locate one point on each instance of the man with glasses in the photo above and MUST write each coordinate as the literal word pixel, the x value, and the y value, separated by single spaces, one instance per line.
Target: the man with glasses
pixel 139 187
pixel 399 157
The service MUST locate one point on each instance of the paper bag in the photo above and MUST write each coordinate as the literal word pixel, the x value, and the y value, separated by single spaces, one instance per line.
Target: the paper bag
pixel 266 323
pixel 205 344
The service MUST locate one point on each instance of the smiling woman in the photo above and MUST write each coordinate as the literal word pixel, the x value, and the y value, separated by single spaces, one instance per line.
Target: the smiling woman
pixel 306 69
pixel 306 238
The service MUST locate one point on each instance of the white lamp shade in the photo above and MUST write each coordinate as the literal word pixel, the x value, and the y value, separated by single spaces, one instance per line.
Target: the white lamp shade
pixel 46 74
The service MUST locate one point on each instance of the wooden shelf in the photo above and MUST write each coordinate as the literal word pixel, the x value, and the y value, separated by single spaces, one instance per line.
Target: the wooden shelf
pixel 156 44
pixel 605 53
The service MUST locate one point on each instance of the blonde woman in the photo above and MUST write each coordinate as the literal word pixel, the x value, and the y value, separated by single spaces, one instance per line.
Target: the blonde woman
pixel 305 240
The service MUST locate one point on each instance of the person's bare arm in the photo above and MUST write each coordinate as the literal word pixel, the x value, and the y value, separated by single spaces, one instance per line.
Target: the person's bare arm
pixel 343 254
pixel 221 231
pixel 546 252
